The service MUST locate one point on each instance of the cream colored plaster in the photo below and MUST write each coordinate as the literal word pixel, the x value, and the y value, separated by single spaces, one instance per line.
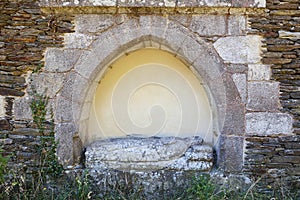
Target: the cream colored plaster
pixel 149 93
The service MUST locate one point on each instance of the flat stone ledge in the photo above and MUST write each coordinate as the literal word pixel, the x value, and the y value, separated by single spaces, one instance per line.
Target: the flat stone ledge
pixel 154 3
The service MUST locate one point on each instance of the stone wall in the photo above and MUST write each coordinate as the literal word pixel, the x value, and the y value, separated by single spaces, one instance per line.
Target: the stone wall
pixel 277 156
pixel 26 32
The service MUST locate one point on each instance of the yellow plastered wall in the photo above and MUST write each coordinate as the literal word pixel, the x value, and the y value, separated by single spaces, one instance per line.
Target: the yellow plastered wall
pixel 147 93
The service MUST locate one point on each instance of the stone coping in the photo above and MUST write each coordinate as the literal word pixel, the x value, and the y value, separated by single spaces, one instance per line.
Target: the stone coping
pixel 155 3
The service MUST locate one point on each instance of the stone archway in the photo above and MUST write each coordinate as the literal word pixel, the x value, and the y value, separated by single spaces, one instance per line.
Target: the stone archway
pixel 87 63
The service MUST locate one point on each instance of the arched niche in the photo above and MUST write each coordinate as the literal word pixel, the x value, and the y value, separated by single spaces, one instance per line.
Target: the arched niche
pixel 149 92
pixel 75 99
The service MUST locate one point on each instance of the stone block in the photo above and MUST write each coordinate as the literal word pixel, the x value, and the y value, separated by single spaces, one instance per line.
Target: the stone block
pixel 21 108
pixel 139 3
pixel 234 123
pixel 87 63
pixel 236 68
pixel 240 81
pixel 74 88
pixel 263 96
pixel 209 25
pixel 233 95
pixel 93 23
pixel 190 50
pixel 239 49
pixel 175 35
pixel 60 60
pixel 64 135
pixel 249 3
pixel 46 83
pixel 237 24
pixel 2 106
pixel 55 3
pixel 159 26
pixel 77 40
pixel 258 72
pixel 230 153
pixel 67 110
pixel 145 22
pixel 124 35
pixel 289 35
pixel 263 123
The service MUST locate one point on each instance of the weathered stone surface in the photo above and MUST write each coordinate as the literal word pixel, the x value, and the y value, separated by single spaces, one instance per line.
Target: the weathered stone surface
pixel 236 25
pixel 156 3
pixel 65 132
pixel 60 60
pixel 236 68
pixel 92 24
pixel 209 25
pixel 46 83
pixel 258 72
pixel 240 81
pixel 289 35
pixel 77 41
pixel 22 109
pixel 232 160
pixel 2 106
pixel 234 121
pixel 148 154
pixel 239 49
pixel 263 96
pixel 262 123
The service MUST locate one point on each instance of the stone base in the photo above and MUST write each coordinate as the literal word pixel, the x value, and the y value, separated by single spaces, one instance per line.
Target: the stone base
pixel 152 167
pixel 144 185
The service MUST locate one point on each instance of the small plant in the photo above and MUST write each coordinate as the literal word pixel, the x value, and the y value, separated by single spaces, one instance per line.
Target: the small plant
pixel 47 149
pixel 3 165
pixel 202 187
pixel 37 68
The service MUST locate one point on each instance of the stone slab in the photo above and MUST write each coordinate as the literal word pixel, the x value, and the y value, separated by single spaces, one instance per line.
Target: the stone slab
pixel 93 23
pixel 263 96
pixel 263 123
pixel 147 154
pixel 239 49
pixel 64 133
pixel 230 153
pixel 259 72
pixel 289 35
pixel 209 25
pixel 46 83
pixel 77 40
pixel 21 108
pixel 60 60
pixel 2 106
pixel 237 24
pixel 240 81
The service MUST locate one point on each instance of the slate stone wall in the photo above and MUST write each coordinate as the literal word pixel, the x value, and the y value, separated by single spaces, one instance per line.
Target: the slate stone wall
pixel 279 156
pixel 25 33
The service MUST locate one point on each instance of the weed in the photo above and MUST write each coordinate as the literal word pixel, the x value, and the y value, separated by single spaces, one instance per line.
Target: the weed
pixel 49 164
pixel 3 165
